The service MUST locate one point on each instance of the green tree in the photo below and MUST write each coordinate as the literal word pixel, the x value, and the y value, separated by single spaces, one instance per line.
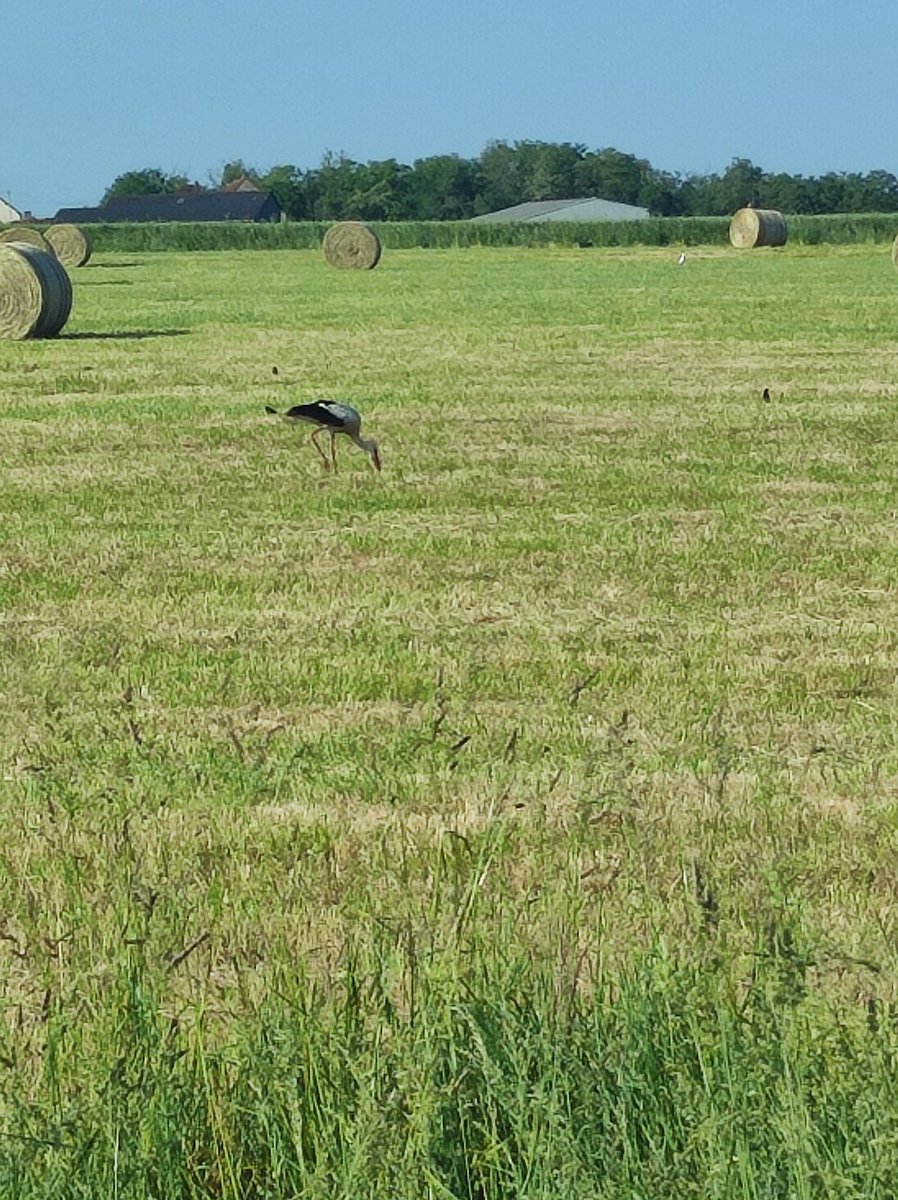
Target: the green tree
pixel 548 170
pixel 662 194
pixel 741 184
pixel 613 175
pixel 335 184
pixel 500 182
pixel 291 189
pixel 882 190
pixel 787 193
pixel 148 182
pixel 441 188
pixel 232 171
pixel 831 192
pixel 380 191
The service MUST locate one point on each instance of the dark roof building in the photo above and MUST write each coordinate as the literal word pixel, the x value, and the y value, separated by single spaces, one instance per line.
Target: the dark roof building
pixel 189 206
pixel 79 216
pixel 588 209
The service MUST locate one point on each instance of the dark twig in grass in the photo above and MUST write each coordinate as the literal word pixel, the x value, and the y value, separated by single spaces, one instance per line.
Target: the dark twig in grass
pixel 133 727
pixel 265 747
pixel 188 950
pixel 581 685
pixel 618 731
pixel 17 949
pixel 705 897
pixel 851 961
pixel 553 782
pixel 235 741
pixel 54 944
pixel 146 900
pixel 453 833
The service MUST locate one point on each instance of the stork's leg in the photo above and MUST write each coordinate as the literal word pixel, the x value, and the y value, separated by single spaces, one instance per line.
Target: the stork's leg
pixel 334 450
pixel 321 453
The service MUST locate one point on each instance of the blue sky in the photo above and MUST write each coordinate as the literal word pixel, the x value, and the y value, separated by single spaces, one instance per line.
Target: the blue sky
pixel 93 90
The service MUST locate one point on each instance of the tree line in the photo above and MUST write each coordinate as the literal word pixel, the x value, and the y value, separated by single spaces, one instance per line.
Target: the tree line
pixel 447 187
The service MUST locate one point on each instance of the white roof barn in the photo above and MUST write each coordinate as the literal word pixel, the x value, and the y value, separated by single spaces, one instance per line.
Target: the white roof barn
pixel 589 209
pixel 8 214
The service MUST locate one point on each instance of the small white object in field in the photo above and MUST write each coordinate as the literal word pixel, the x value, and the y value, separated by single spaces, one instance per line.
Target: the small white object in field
pixel 681 259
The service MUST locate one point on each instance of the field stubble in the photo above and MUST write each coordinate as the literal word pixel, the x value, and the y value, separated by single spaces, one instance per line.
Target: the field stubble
pixel 500 825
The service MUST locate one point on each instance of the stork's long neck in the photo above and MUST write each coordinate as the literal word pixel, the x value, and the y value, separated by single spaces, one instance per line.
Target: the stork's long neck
pixel 370 447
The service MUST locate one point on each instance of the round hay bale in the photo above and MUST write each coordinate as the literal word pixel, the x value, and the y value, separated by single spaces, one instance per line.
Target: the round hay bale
pixel 26 233
pixel 35 292
pixel 752 227
pixel 70 244
pixel 351 244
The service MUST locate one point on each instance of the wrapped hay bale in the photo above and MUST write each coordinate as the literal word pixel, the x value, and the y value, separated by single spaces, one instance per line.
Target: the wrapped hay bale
pixel 26 233
pixel 752 227
pixel 70 244
pixel 35 292
pixel 351 244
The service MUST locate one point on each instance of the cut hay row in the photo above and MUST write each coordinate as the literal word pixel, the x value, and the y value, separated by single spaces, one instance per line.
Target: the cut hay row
pixel 35 292
pixel 353 245
pixel 71 245
pixel 751 227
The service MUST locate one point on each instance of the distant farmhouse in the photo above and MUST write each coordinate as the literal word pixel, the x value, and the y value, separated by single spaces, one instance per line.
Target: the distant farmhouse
pixel 590 209
pixel 8 214
pixel 187 205
pixel 242 184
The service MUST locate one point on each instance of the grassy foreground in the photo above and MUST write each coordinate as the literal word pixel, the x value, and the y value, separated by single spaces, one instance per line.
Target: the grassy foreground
pixel 521 822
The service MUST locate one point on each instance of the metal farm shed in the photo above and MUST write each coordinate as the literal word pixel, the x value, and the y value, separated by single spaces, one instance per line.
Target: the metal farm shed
pixel 590 209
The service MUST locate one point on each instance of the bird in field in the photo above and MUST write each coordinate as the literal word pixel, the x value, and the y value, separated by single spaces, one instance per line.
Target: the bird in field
pixel 766 394
pixel 681 259
pixel 333 417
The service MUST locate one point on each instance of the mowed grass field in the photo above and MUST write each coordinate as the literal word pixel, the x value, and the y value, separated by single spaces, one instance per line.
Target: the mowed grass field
pixel 519 822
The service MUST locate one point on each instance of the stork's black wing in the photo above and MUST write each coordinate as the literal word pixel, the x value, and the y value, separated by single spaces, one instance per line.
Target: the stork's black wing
pixel 319 413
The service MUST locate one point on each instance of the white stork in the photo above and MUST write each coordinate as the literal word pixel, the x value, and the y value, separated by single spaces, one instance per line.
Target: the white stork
pixel 335 417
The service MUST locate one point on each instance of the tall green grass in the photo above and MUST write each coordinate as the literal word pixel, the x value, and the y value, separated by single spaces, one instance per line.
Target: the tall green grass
pixel 657 231
pixel 476 1073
